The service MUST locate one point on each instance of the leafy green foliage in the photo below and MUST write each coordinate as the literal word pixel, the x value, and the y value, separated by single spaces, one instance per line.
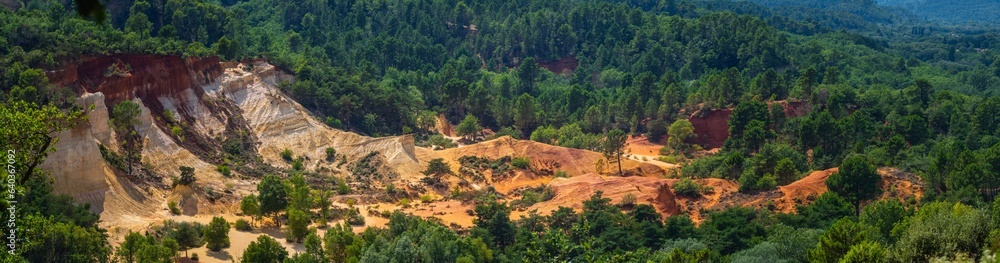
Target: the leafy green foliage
pixel 142 248
pixel 187 235
pixel 857 180
pixel 264 249
pixel 242 225
pixel 469 127
pixel 733 229
pixel 838 240
pixel 940 230
pixel 273 195
pixel 520 162
pixel 187 176
pixel 613 147
pixel 216 234
pixel 298 225
pixel 679 133
pixel 437 167
pixel 687 187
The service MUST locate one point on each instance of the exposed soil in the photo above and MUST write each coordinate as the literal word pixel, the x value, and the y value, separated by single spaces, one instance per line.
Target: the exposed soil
pixel 563 66
pixel 711 127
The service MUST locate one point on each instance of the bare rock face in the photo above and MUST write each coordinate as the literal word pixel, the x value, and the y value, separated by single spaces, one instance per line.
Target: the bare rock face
pixel 209 100
pixel 79 170
pixel 711 127
pixel 279 122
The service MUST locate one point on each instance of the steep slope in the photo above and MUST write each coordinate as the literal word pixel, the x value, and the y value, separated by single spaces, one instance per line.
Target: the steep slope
pixel 211 102
pixel 278 122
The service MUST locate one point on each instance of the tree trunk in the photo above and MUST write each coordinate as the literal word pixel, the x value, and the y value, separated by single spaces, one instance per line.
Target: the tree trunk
pixel 619 164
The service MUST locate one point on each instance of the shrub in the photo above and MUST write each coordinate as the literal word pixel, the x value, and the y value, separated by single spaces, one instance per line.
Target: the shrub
pixel 297 164
pixel 354 218
pixel 243 225
pixel 287 155
pixel 508 131
pixel 535 195
pixel 405 202
pixel 168 115
pixel 437 167
pixel 390 189
pixel 223 169
pixel 561 174
pixel 426 198
pixel 707 189
pixel 628 201
pixel 333 122
pixel 687 187
pixel 172 205
pixel 331 154
pixel 187 176
pixel 437 141
pixel 521 162
pixel 177 131
pixel 194 256
pixel 672 159
pixel 342 188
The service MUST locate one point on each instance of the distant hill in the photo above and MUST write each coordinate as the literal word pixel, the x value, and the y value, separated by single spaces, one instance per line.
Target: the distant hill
pixel 955 11
pixel 815 16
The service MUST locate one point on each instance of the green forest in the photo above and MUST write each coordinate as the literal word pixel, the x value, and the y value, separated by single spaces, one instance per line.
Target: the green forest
pixel 885 88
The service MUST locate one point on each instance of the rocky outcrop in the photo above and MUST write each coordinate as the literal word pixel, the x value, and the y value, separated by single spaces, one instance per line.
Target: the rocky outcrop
pixel 79 170
pixel 210 101
pixel 279 122
pixel 563 66
pixel 711 127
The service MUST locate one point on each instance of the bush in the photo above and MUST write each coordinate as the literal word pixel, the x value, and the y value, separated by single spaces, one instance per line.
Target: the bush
pixel 342 188
pixel 297 164
pixel 535 195
pixel 287 155
pixel 168 116
pixel 628 201
pixel 426 198
pixel 437 167
pixel 223 169
pixel 331 154
pixel 187 176
pixel 178 132
pixel 687 187
pixel 194 256
pixel 243 225
pixel 172 205
pixel 405 202
pixel 672 159
pixel 521 162
pixel 354 218
pixel 561 174
pixel 437 141
pixel 508 131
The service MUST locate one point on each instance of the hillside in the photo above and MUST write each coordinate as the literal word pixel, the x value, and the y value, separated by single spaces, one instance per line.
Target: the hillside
pixel 197 93
pixel 498 131
pixel 952 12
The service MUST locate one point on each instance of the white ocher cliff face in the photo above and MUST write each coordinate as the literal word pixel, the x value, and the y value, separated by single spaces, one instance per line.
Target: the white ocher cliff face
pixel 79 170
pixel 277 121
